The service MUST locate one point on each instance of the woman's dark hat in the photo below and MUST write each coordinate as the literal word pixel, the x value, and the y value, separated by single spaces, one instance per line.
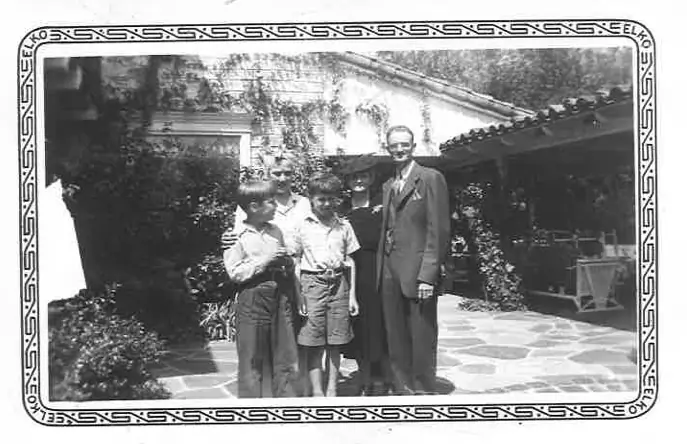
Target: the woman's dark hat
pixel 358 164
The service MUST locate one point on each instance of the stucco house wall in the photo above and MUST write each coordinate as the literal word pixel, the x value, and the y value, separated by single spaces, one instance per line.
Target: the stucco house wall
pixel 405 105
pixel 433 109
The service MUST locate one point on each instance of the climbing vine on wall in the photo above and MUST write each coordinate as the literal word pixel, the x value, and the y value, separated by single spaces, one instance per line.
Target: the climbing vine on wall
pixel 426 118
pixel 287 128
pixel 338 115
pixel 295 123
pixel 377 114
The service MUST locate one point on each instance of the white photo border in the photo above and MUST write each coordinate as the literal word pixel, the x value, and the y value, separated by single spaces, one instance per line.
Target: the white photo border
pixel 647 214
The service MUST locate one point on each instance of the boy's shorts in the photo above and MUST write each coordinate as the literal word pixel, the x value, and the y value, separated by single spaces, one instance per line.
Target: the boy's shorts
pixel 328 321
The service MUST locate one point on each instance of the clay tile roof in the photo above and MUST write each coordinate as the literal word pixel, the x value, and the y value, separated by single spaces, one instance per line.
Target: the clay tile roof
pixel 439 86
pixel 568 107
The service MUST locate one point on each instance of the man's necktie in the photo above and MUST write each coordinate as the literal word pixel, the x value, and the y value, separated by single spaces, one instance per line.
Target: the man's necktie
pixel 398 185
pixel 391 219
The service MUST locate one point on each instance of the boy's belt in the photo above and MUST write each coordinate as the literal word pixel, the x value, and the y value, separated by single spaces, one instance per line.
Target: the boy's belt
pixel 329 273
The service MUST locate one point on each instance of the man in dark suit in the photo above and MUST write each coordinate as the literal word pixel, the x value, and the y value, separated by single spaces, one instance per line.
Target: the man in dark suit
pixel 413 245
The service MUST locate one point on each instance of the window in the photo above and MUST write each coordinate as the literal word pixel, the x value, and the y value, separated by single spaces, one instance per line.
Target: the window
pixel 227 133
pixel 229 145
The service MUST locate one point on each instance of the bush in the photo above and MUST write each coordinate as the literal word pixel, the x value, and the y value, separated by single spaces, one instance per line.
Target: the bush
pixel 477 305
pixel 162 305
pixel 214 292
pixel 148 213
pixel 95 354
pixel 501 284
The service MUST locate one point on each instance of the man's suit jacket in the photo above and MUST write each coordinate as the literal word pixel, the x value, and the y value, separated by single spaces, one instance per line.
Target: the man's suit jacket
pixel 421 230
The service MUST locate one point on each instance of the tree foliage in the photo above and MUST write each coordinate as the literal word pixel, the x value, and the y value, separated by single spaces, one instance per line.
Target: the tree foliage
pixel 149 212
pixel 530 78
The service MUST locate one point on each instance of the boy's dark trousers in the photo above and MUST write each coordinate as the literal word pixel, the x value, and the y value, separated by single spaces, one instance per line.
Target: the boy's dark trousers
pixel 265 342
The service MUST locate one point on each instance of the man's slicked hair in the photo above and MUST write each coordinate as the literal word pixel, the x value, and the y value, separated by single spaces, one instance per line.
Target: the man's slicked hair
pixel 400 128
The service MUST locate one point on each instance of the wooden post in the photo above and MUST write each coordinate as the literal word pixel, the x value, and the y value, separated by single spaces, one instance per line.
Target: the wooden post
pixel 502 203
pixel 531 202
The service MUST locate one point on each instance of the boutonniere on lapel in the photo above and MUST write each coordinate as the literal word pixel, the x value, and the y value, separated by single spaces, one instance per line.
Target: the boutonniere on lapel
pixel 416 196
pixel 377 208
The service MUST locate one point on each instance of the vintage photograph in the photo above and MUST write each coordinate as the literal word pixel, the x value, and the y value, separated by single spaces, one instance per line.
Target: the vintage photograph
pixel 341 224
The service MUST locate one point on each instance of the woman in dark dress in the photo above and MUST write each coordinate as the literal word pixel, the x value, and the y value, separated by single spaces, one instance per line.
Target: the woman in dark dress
pixel 365 215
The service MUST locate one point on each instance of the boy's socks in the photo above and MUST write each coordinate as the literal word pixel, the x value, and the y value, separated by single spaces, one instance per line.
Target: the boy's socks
pixel 334 362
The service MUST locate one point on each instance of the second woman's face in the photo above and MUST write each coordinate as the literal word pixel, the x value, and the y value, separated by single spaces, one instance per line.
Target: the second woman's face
pixel 360 181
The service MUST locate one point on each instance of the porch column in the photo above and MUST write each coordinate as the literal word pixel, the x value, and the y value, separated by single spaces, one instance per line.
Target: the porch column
pixel 502 211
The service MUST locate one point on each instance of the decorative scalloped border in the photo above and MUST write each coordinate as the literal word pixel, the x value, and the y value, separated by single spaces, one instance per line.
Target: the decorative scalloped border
pixel 646 188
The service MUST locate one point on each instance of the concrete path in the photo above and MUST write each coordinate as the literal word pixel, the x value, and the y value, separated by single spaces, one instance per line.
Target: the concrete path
pixel 478 353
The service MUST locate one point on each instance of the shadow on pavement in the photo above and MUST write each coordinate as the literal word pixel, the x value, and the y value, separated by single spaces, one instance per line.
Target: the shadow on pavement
pixel 189 359
pixel 349 386
pixel 625 319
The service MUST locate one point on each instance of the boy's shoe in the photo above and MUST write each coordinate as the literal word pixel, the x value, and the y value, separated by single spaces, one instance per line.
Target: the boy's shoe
pixel 424 393
pixel 377 389
pixel 388 389
pixel 402 391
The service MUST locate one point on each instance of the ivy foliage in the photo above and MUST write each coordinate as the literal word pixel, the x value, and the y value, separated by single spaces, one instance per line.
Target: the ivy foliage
pixel 285 126
pixel 509 232
pixel 501 284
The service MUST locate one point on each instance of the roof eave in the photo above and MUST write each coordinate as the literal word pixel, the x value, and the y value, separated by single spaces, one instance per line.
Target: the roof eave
pixel 619 96
pixel 471 99
pixel 482 146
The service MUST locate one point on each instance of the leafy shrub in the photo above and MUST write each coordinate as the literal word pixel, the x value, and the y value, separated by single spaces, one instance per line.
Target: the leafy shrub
pixel 477 305
pixel 96 354
pixel 162 304
pixel 500 282
pixel 154 210
pixel 214 292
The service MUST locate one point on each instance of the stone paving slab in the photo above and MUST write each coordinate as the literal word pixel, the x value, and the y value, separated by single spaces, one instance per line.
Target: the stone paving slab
pixel 478 352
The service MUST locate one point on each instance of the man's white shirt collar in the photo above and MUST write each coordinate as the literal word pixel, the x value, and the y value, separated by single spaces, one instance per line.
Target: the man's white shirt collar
pixel 405 172
pixel 291 202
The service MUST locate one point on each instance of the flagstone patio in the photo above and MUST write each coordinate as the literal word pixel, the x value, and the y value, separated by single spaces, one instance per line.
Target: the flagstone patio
pixel 478 353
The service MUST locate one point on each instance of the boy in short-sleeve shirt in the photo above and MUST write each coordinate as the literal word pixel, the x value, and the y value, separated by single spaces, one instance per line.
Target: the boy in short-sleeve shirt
pixel 323 244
